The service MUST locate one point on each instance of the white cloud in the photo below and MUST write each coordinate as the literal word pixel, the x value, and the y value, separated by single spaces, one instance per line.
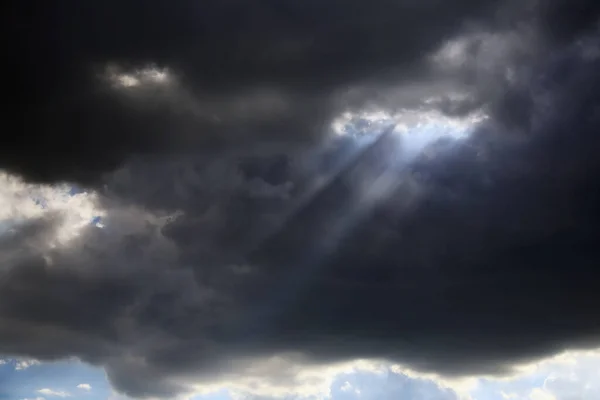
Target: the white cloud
pixel 36 398
pixel 541 394
pixel 21 202
pixel 409 122
pixel 348 388
pixel 145 76
pixel 572 374
pixel 22 364
pixel 55 393
pixel 84 386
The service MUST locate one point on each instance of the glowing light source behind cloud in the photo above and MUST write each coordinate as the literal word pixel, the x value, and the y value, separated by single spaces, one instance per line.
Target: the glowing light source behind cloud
pixel 407 122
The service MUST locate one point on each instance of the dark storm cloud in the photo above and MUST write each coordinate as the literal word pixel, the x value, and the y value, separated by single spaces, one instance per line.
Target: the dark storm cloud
pixel 479 253
pixel 244 71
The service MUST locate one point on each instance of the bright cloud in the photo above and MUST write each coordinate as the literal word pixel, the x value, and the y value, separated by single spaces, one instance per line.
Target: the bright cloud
pixel 55 393
pixel 143 76
pixel 84 386
pixel 24 364
pixel 21 202
pixel 407 121
pixel 571 375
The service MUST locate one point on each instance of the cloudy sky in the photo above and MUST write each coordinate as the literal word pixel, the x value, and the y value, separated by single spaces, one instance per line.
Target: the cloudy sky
pixel 318 199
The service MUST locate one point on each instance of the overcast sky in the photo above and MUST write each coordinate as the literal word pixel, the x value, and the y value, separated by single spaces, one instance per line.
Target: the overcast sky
pixel 257 198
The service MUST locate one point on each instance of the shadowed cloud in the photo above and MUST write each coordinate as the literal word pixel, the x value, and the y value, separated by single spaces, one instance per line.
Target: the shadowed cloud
pixel 326 181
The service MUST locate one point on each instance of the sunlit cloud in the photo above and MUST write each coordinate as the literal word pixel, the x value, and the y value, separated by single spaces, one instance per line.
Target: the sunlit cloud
pixel 417 127
pixel 572 374
pixel 68 210
pixel 130 79
pixel 21 365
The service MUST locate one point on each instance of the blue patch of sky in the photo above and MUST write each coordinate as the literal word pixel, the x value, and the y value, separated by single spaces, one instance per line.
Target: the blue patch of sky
pixel 387 385
pixel 40 201
pixel 65 376
pixel 489 389
pixel 75 189
pixel 59 376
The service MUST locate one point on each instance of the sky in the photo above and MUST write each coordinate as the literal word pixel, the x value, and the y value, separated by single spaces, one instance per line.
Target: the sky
pixel 571 375
pixel 316 199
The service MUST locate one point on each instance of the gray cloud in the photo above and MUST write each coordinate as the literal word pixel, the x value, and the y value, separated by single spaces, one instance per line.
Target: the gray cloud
pixel 229 236
pixel 371 385
pixel 236 74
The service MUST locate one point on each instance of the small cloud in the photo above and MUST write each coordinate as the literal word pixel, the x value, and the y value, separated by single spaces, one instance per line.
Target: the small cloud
pixel 346 387
pixel 37 398
pixel 24 364
pixel 84 386
pixel 50 392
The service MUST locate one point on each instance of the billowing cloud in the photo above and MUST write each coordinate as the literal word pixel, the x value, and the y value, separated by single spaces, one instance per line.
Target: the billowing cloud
pixel 223 190
pixel 195 77
pixel 84 386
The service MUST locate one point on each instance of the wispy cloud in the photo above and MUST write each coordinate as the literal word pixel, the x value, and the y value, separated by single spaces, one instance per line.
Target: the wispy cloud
pixel 55 393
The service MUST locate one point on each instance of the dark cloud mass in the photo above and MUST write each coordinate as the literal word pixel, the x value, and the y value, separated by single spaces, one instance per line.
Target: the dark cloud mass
pixel 273 68
pixel 237 226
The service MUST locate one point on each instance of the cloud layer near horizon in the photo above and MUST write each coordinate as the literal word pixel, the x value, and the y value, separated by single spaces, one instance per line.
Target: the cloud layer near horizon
pixel 295 178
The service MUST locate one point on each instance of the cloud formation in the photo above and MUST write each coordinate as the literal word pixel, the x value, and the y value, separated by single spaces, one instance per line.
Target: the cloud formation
pixel 193 77
pixel 195 189
pixel 53 393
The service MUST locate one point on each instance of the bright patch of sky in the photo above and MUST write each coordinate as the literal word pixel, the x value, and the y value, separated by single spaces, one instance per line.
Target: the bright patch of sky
pixel 417 129
pixel 55 380
pixel 572 375
pixel 412 123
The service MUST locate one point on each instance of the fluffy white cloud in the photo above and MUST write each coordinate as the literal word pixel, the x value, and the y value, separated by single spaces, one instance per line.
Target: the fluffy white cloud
pixel 22 202
pixel 21 365
pixel 84 386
